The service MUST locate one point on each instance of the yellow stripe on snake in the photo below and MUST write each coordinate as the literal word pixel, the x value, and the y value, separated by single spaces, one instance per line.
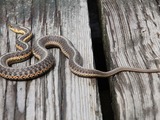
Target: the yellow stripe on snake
pixel 46 60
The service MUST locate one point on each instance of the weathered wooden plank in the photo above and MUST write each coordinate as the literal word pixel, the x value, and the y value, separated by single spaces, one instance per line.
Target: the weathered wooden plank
pixel 131 35
pixel 59 94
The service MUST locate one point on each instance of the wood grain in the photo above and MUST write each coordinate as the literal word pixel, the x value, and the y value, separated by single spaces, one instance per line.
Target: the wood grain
pixel 58 95
pixel 131 37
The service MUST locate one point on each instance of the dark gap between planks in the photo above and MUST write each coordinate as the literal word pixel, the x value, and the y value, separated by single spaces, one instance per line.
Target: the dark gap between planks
pixel 99 57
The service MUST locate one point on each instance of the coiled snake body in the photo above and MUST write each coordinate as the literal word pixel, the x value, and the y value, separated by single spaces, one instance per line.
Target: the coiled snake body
pixel 46 60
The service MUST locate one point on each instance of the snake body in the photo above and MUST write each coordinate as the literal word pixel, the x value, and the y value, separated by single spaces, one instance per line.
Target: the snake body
pixel 46 60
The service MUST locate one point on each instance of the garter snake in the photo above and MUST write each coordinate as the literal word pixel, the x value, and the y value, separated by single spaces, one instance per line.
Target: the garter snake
pixel 46 60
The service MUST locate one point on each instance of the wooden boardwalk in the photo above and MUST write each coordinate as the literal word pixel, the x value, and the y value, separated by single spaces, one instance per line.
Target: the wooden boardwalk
pixel 131 38
pixel 58 95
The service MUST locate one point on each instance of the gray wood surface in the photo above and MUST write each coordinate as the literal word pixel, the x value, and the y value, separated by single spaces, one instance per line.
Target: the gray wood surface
pixel 58 95
pixel 131 38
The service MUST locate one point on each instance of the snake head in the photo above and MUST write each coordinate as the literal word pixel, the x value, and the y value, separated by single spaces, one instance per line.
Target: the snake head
pixel 16 29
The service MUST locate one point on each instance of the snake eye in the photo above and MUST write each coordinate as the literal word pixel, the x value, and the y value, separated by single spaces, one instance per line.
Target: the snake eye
pixel 10 26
